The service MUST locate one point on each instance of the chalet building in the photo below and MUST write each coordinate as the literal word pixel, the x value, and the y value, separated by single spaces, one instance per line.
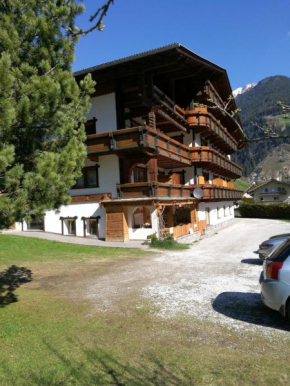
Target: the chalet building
pixel 271 192
pixel 156 161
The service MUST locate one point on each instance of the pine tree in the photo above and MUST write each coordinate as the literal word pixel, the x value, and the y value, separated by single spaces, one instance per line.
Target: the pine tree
pixel 42 108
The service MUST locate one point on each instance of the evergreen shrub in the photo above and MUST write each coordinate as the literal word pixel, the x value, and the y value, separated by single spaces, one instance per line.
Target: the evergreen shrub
pixel 271 211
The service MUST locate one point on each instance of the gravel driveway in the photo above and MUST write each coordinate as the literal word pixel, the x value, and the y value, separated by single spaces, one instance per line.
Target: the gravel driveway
pixel 217 280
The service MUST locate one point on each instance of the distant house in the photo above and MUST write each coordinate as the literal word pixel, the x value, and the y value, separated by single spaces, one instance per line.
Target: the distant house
pixel 271 192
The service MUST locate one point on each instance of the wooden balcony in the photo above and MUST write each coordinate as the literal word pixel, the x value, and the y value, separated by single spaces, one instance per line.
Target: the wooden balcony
pixel 169 116
pixel 216 192
pixel 210 128
pixel 153 190
pixel 212 94
pixel 169 153
pixel 210 159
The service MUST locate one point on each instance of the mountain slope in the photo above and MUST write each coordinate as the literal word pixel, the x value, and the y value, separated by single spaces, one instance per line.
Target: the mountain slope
pixel 276 165
pixel 258 105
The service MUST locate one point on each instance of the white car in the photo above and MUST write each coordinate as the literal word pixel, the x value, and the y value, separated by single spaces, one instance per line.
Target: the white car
pixel 275 279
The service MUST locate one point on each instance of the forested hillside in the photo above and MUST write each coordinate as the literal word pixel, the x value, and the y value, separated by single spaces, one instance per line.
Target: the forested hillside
pixel 258 105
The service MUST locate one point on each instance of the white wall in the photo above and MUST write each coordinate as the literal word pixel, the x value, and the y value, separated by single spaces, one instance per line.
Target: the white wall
pixel 214 220
pixel 109 176
pixel 142 233
pixel 104 109
pixel 91 209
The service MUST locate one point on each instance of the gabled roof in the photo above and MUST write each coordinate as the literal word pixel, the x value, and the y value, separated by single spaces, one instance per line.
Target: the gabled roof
pixel 252 189
pixel 165 54
pixel 145 54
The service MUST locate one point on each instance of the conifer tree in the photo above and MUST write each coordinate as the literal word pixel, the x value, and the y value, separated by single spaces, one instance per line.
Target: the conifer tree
pixel 42 108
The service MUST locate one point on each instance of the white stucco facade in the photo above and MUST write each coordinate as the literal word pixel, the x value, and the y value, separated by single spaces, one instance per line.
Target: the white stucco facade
pixel 142 233
pixel 104 110
pixel 53 222
pixel 216 212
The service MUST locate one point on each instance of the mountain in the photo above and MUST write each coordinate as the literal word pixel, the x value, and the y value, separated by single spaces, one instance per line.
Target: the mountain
pixel 242 90
pixel 276 165
pixel 258 105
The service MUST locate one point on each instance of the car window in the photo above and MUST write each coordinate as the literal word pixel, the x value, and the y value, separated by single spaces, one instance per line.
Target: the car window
pixel 282 252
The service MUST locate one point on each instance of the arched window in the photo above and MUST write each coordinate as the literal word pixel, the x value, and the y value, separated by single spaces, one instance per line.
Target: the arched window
pixel 141 218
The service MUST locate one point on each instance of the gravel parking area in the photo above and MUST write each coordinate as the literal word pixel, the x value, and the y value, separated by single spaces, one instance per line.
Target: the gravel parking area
pixel 216 280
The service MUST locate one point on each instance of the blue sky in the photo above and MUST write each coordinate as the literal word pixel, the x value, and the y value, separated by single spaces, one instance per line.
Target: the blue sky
pixel 249 38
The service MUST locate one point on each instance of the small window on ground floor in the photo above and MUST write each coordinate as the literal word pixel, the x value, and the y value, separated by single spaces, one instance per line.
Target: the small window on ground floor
pixel 141 218
pixel 92 227
pixel 218 212
pixel 71 227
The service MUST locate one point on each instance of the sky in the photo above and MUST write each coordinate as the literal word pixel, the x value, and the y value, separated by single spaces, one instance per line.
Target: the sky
pixel 249 38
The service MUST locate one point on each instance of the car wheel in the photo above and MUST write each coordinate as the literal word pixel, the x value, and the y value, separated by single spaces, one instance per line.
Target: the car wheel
pixel 287 309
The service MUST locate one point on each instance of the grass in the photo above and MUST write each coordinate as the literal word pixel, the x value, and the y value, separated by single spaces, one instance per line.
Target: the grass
pixel 53 335
pixel 169 244
pixel 241 184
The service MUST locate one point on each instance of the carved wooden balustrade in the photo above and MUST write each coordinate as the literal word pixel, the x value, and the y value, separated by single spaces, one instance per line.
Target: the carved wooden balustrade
pixel 210 128
pixel 216 192
pixel 153 190
pixel 170 153
pixel 212 160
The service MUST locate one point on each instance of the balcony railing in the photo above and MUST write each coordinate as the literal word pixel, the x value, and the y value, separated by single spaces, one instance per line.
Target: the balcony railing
pixel 165 100
pixel 212 94
pixel 161 190
pixel 170 153
pixel 206 124
pixel 275 192
pixel 215 192
pixel 153 189
pixel 210 159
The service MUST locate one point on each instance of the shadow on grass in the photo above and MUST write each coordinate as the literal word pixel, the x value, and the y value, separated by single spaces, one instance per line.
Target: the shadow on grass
pixel 100 368
pixel 10 280
pixel 252 261
pixel 248 307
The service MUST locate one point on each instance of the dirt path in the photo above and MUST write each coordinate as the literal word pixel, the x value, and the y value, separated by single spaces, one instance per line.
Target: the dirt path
pixel 217 279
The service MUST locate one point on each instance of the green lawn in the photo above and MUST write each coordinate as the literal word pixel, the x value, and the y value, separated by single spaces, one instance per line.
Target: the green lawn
pixel 53 334
pixel 241 184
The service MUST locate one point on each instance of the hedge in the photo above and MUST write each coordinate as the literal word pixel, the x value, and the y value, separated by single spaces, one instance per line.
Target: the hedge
pixel 274 211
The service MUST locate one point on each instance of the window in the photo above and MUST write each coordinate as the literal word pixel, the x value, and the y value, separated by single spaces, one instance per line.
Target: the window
pixel 276 198
pixel 71 227
pixel 68 225
pixel 140 174
pixel 141 218
pixel 218 212
pixel 89 179
pixel 90 126
pixel 92 227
